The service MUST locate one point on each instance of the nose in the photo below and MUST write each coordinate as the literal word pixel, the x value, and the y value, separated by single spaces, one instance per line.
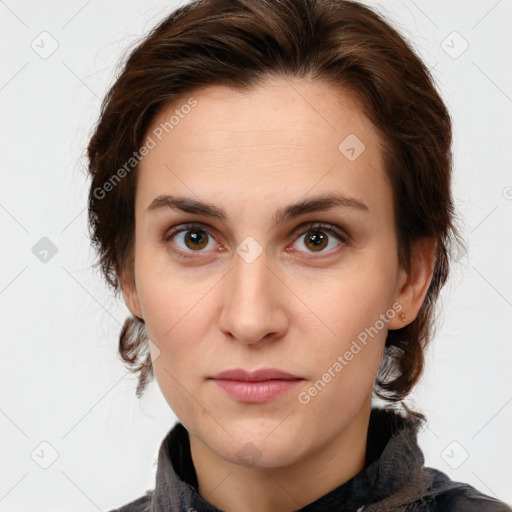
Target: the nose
pixel 254 299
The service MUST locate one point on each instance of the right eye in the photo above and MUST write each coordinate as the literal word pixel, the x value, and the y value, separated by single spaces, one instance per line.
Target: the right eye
pixel 190 238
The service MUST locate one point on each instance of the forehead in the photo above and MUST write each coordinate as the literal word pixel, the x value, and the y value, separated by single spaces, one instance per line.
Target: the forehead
pixel 284 109
pixel 286 136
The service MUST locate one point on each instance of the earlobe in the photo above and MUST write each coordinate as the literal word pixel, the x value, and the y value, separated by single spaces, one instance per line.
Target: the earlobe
pixel 412 285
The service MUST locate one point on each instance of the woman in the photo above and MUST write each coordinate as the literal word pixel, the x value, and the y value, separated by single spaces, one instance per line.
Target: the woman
pixel 271 194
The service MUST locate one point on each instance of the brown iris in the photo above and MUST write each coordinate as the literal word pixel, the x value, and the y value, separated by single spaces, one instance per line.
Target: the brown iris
pixel 317 239
pixel 199 239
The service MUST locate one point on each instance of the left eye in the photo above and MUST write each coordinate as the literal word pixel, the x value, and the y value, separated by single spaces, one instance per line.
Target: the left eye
pixel 317 237
pixel 193 238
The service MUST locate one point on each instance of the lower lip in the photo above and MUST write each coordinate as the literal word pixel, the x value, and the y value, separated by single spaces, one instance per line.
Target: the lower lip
pixel 256 392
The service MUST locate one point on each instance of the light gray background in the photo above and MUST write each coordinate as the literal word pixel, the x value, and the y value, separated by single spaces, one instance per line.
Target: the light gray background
pixel 61 381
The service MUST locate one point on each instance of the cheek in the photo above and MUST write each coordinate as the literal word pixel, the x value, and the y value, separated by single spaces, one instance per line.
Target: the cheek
pixel 352 311
pixel 174 320
pixel 344 362
pixel 173 306
pixel 177 323
pixel 169 294
pixel 350 300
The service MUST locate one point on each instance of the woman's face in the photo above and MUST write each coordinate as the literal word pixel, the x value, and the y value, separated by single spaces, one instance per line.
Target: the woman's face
pixel 251 285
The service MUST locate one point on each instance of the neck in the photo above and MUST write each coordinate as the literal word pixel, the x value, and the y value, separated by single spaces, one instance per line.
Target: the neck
pixel 231 487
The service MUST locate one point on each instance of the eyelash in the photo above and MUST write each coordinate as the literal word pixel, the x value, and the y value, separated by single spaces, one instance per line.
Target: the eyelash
pixel 303 230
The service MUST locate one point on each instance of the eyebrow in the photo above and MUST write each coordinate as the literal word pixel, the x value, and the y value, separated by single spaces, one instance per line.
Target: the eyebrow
pixel 314 204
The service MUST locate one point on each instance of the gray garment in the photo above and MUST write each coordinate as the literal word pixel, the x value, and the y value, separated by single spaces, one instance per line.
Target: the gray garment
pixel 394 479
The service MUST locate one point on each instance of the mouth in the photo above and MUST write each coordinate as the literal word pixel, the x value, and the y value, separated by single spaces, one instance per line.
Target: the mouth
pixel 255 387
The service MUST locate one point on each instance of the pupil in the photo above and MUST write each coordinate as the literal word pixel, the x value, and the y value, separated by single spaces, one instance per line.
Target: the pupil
pixel 318 239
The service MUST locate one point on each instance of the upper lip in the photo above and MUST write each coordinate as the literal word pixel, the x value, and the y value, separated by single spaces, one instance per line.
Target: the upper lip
pixel 255 376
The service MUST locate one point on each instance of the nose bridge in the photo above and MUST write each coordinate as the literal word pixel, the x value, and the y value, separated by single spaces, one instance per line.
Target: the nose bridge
pixel 251 307
pixel 250 276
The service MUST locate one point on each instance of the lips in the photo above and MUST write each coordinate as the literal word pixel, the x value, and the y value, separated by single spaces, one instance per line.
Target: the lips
pixel 255 387
pixel 255 376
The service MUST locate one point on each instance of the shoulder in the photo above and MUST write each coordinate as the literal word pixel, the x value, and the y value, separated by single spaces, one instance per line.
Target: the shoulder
pixel 141 504
pixel 446 495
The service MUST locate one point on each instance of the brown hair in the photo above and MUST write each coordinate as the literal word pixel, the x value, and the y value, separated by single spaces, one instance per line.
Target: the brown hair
pixel 239 43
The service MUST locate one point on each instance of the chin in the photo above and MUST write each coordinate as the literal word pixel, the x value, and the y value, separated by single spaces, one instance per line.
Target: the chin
pixel 256 443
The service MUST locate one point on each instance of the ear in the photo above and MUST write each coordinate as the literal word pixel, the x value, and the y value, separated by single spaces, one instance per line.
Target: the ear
pixel 130 296
pixel 412 284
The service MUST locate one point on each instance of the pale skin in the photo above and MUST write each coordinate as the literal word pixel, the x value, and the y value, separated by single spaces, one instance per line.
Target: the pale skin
pixel 295 307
